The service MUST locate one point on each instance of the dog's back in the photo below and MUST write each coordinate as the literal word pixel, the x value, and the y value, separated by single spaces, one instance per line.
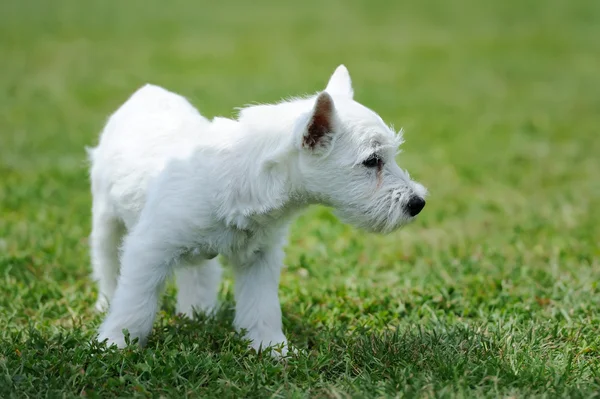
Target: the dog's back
pixel 152 127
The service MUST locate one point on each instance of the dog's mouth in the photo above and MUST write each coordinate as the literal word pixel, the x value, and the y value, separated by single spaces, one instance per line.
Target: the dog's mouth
pixel 378 224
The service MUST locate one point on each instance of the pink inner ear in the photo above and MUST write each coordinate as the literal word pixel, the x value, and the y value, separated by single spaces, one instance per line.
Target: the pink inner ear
pixel 321 122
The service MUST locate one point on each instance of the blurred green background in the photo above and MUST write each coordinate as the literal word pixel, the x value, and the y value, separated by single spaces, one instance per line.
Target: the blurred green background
pixel 493 291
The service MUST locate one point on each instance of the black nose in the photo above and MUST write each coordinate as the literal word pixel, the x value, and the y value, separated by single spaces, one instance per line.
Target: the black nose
pixel 415 205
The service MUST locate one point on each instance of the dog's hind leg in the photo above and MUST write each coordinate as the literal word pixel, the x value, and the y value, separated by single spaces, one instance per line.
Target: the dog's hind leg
pixel 198 285
pixel 107 233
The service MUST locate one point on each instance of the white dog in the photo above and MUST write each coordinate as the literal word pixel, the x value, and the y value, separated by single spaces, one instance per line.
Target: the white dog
pixel 172 190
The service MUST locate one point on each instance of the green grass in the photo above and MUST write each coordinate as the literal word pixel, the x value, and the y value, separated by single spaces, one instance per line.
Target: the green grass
pixel 494 291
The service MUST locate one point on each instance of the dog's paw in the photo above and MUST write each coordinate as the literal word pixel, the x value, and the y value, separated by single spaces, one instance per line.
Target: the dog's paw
pixel 277 351
pixel 113 335
pixel 190 311
pixel 281 352
pixel 277 346
pixel 112 339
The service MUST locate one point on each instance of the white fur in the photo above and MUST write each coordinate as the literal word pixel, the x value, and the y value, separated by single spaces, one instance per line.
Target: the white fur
pixel 171 190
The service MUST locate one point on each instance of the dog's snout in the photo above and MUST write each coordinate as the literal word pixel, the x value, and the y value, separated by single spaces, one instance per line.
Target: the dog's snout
pixel 415 205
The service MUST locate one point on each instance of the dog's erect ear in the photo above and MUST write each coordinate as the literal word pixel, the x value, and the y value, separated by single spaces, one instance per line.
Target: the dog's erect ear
pixel 320 125
pixel 340 83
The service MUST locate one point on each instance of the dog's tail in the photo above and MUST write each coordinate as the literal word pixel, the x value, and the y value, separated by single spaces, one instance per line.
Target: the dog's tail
pixel 91 152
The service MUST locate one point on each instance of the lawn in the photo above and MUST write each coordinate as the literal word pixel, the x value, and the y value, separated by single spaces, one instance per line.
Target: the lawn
pixel 494 291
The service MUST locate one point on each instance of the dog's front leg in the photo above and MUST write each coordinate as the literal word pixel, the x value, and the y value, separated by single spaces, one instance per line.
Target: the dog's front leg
pixel 257 301
pixel 146 264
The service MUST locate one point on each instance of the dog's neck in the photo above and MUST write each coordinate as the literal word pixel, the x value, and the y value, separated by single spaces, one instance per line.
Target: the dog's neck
pixel 268 185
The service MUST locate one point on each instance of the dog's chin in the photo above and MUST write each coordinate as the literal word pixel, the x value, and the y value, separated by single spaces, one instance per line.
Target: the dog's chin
pixel 378 226
pixel 388 228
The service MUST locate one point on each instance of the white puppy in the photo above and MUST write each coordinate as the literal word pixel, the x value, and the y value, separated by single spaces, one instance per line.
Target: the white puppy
pixel 172 190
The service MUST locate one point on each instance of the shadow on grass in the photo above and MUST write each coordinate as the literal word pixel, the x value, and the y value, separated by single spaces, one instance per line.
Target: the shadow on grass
pixel 205 356
pixel 409 359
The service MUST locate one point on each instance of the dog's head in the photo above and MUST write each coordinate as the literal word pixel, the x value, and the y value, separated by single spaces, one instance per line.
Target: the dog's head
pixel 348 161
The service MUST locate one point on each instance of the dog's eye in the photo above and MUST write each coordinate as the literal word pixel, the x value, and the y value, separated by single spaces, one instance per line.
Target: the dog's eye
pixel 373 161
